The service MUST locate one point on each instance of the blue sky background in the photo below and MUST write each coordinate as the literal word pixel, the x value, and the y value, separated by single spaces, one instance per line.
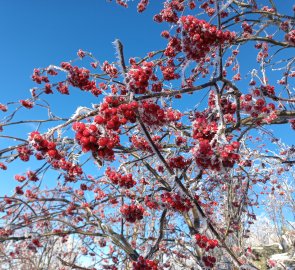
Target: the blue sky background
pixel 37 33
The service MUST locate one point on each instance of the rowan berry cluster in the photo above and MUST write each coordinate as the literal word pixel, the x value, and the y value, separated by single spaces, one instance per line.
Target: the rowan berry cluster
pixel 31 195
pixel 27 103
pixel 145 264
pixel 138 77
pixel 48 149
pixel 5 232
pixel 227 106
pixel 176 202
pixel 79 77
pixel 290 37
pixel 204 129
pixel 168 14
pixel 32 176
pixel 3 108
pixel 179 141
pixel 150 203
pixel 153 115
pixel 209 154
pixel 143 145
pixel 119 179
pixel 247 29
pixel 132 212
pixel 101 136
pixel 178 162
pixel 36 242
pixel 19 191
pixel 36 77
pixel 3 166
pixel 70 209
pixel 62 88
pixel 199 37
pixel 257 106
pixel 173 46
pixel 209 261
pixel 204 242
pixel 142 5
pixel 24 153
pixel 267 90
pixel 214 157
pixel 110 69
pixel 91 139
pixel 169 72
pixel 71 169
pixel 43 146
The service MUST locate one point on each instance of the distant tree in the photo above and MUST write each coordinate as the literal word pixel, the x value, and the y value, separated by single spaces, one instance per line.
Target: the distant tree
pixel 50 255
pixel 142 183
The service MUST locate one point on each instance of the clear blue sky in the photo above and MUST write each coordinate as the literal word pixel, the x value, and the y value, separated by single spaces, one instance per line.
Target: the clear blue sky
pixel 36 33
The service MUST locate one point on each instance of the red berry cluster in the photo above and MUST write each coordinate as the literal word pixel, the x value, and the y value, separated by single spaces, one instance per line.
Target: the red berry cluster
pixel 81 53
pixel 31 195
pixel 72 170
pixel 206 243
pixel 5 232
pixel 116 112
pixel 228 154
pixel 176 202
pixel 215 157
pixel 173 46
pixel 70 209
pixel 247 29
pixel 36 77
pixel 169 72
pixel 290 37
pixel 204 129
pixel 19 191
pixel 257 106
pixel 62 88
pixel 179 141
pixel 169 13
pixel 198 37
pixel 3 166
pixel 3 108
pixel 132 212
pixel 145 264
pixel 47 149
pixel 268 90
pixel 285 26
pixel 24 153
pixel 209 261
pixel 292 123
pixel 101 136
pixel 79 77
pixel 142 144
pixel 153 115
pixel 178 162
pixel 142 5
pixel 91 139
pixel 32 176
pixel 138 77
pixel 26 103
pixel 119 179
pixel 110 69
pixel 151 204
pixel 227 106
pixel 36 242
